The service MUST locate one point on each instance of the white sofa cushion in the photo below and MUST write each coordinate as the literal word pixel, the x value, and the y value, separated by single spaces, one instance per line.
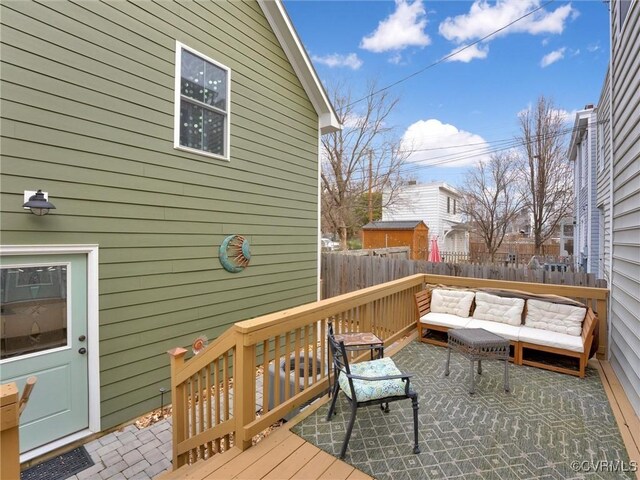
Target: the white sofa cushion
pixel 498 309
pixel 555 317
pixel 510 332
pixel 445 320
pixel 546 338
pixel 455 302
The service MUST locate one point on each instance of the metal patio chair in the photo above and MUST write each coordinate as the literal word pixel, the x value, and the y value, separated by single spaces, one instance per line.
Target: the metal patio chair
pixel 376 382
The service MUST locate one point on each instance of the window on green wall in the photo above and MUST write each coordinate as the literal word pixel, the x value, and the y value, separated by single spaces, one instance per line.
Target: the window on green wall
pixel 202 104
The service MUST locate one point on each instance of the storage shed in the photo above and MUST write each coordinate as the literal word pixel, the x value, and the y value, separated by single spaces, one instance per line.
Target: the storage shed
pixel 408 233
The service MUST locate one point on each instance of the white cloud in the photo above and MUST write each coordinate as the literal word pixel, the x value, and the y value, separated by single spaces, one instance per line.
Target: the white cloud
pixel 396 58
pixel 351 60
pixel 552 57
pixel 484 18
pixel 565 115
pixel 593 47
pixel 403 28
pixel 441 144
pixel 468 54
pixel 354 120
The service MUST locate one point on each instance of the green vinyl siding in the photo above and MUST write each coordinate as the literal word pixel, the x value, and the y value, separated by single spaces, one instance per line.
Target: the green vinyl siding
pixel 87 106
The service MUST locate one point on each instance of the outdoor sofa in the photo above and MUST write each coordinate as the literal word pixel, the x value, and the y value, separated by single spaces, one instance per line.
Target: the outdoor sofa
pixel 532 323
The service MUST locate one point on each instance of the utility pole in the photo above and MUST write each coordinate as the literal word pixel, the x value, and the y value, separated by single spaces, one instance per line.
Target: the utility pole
pixel 370 185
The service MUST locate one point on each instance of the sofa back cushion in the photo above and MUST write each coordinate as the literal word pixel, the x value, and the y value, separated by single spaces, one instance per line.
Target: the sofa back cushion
pixel 555 317
pixel 455 302
pixel 498 309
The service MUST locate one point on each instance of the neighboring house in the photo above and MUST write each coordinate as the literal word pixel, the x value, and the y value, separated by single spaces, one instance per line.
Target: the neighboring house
pixel 583 153
pixel 603 178
pixel 522 223
pixel 158 130
pixel 410 233
pixel 624 328
pixel 437 204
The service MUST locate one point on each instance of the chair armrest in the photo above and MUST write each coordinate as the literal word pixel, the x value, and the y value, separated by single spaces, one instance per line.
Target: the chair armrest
pixel 423 302
pixel 590 332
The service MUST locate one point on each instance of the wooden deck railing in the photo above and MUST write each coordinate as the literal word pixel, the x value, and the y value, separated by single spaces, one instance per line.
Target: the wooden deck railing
pixel 215 394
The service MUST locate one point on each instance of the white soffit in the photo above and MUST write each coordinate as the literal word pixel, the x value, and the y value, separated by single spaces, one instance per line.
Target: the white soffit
pixel 283 28
pixel 582 118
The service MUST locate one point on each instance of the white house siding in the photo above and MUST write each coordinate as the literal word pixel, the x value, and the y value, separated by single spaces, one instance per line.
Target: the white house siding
pixel 625 281
pixel 582 152
pixel 603 177
pixel 428 202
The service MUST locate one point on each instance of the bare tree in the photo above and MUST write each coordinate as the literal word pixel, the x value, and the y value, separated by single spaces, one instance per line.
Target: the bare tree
pixel 361 158
pixel 547 175
pixel 491 200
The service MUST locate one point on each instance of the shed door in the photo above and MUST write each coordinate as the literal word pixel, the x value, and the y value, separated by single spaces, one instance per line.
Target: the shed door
pixel 421 250
pixel 44 331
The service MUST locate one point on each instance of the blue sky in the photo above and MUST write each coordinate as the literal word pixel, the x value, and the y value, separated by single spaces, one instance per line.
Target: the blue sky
pixel 561 51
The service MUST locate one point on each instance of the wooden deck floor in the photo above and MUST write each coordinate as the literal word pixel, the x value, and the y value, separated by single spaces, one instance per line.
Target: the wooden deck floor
pixel 281 455
pixel 284 455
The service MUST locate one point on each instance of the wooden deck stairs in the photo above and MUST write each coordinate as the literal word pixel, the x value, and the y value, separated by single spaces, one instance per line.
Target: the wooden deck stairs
pixel 281 455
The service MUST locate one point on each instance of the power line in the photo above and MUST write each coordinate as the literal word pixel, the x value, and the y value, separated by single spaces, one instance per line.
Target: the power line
pixel 500 146
pixel 491 145
pixel 447 57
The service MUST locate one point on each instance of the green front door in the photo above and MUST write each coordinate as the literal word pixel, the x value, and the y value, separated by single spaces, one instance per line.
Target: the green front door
pixel 44 333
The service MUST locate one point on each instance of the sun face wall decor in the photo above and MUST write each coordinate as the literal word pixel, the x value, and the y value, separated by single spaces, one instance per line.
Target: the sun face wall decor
pixel 235 253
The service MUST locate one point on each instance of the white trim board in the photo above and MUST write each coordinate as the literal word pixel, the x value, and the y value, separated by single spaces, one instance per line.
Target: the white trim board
pixel 92 332
pixel 281 25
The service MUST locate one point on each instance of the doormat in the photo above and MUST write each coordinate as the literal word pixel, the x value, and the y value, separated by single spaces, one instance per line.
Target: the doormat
pixel 61 467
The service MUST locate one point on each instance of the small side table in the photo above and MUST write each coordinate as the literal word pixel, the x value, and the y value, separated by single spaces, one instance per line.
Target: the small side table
pixel 354 341
pixel 478 344
pixel 362 341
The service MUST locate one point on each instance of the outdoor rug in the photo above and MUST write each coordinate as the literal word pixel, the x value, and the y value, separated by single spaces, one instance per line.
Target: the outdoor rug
pixel 61 467
pixel 550 426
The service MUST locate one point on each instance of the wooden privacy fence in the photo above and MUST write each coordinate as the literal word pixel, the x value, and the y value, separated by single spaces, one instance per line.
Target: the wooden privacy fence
pixel 344 273
pixel 523 248
pixel 216 392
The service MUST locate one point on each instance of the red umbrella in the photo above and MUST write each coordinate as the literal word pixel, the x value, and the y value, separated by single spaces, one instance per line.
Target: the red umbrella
pixel 434 251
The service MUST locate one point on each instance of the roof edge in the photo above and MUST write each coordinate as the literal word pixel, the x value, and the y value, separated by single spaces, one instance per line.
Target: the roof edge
pixel 579 126
pixel 388 225
pixel 286 34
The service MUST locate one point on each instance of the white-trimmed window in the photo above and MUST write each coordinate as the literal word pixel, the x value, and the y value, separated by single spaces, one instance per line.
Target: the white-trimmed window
pixel 202 91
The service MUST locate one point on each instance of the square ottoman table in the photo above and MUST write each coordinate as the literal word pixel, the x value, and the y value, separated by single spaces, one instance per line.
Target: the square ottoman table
pixel 478 344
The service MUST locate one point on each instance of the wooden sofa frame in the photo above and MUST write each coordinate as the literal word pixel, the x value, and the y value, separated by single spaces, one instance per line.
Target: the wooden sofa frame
pixel 423 304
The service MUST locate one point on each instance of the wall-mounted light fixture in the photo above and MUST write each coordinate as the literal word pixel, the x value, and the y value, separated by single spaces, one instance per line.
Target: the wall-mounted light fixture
pixel 38 204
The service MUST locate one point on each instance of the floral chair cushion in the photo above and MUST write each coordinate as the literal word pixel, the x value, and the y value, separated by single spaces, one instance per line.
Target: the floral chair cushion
pixel 373 390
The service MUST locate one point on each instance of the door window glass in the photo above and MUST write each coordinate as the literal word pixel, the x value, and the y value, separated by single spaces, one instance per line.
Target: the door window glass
pixel 33 309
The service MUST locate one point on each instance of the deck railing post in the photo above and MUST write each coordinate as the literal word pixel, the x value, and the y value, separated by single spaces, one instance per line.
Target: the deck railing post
pixel 10 454
pixel 178 405
pixel 244 390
